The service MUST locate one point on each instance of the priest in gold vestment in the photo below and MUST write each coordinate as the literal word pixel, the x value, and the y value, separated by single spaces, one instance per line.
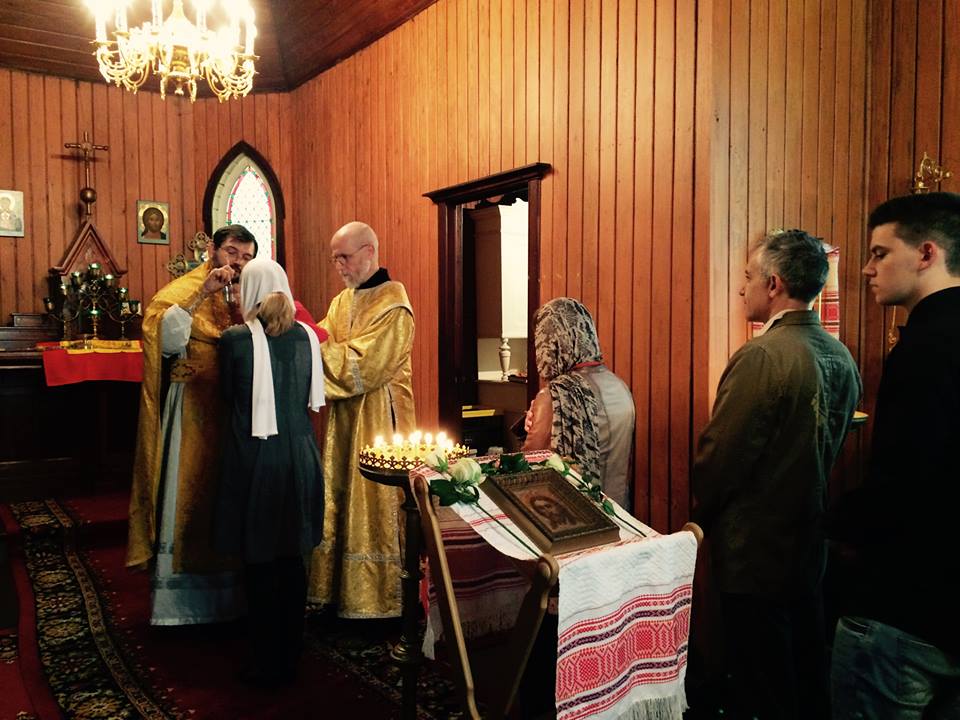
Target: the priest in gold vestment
pixel 178 436
pixel 366 364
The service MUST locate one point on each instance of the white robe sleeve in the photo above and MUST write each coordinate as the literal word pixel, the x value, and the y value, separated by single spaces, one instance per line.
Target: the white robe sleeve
pixel 175 330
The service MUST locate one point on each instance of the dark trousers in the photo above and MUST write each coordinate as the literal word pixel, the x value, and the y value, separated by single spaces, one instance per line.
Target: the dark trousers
pixel 277 601
pixel 775 656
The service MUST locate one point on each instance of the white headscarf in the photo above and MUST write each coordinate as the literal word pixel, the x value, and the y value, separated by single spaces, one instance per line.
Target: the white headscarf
pixel 261 277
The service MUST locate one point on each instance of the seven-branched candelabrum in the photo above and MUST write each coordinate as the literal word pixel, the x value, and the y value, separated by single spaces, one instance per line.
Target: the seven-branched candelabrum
pixel 89 297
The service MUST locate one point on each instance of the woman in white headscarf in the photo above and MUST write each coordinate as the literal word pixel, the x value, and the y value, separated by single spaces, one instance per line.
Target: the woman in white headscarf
pixel 585 412
pixel 270 500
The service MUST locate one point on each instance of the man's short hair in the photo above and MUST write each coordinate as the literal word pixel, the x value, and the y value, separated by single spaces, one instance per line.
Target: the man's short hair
pixel 798 258
pixel 932 216
pixel 238 232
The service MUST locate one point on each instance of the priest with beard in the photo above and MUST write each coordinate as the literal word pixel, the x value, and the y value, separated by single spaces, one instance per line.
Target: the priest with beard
pixel 174 472
pixel 369 392
pixel 177 459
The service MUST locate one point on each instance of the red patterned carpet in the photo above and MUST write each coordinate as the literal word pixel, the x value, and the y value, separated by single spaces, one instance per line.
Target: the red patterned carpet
pixel 88 651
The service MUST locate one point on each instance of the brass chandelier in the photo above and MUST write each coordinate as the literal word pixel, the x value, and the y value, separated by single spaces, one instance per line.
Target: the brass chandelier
pixel 179 51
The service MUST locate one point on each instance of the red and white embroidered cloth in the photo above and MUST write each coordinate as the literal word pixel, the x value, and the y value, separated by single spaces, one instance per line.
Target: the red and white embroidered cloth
pixel 624 623
pixel 624 609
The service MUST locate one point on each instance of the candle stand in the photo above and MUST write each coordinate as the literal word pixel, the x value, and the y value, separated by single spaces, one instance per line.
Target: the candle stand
pixel 407 651
pixel 87 299
pixel 391 465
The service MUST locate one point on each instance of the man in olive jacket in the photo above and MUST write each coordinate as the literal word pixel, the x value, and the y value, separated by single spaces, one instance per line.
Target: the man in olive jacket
pixel 783 408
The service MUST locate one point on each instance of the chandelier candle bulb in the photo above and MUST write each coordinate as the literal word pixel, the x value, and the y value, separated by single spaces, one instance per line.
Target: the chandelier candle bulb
pixel 251 32
pixel 101 28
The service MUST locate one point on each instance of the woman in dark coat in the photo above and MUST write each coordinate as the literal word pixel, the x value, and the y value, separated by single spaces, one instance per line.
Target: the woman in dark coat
pixel 270 501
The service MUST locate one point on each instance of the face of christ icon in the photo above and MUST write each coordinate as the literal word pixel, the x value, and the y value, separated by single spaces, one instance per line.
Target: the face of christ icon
pixel 554 515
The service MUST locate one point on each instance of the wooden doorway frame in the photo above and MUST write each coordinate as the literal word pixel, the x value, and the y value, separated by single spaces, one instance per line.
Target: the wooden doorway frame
pixel 450 201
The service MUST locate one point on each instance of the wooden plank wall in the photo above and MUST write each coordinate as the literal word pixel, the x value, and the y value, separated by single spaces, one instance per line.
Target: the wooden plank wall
pixel 159 150
pixel 605 93
pixel 38 114
pixel 789 150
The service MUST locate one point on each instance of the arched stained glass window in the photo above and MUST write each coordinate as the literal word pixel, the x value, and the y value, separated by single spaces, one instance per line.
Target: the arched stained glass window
pixel 249 204
pixel 243 193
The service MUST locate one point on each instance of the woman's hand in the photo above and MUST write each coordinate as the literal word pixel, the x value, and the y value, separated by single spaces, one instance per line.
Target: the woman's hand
pixel 528 418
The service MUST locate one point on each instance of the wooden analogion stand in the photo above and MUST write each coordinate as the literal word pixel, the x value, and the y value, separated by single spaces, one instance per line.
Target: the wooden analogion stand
pixel 541 572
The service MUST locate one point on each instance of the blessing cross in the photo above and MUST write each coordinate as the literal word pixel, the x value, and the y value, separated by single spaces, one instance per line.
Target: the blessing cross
pixel 87 194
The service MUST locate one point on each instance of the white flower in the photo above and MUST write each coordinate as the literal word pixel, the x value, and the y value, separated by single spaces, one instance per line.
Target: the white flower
pixel 466 471
pixel 557 463
pixel 437 460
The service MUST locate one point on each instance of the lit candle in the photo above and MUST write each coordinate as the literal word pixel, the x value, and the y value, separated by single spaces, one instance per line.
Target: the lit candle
pixel 201 6
pixel 428 439
pixel 101 27
pixel 121 21
pixel 251 31
pixel 378 441
pixel 109 280
pixel 63 289
pixel 124 308
pixel 235 27
pixel 397 440
pixel 75 278
pixel 93 270
pixel 48 304
pixel 442 439
pixel 122 292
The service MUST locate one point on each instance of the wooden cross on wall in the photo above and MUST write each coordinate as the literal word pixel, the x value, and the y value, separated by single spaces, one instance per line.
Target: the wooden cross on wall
pixel 87 194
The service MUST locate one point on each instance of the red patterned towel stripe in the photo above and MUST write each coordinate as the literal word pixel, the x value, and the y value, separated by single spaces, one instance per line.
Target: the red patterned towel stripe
pixel 601 700
pixel 658 600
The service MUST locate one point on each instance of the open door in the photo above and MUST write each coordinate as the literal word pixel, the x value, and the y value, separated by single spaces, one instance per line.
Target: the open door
pixel 457 364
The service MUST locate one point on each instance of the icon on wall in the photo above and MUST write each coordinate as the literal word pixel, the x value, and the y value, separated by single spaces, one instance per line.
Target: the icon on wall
pixel 153 222
pixel 11 213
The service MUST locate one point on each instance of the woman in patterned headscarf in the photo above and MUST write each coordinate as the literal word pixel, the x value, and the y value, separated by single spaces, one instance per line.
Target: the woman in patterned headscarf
pixel 586 412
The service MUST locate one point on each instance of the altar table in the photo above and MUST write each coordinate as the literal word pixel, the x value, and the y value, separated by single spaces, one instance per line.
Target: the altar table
pixel 623 608
pixel 65 363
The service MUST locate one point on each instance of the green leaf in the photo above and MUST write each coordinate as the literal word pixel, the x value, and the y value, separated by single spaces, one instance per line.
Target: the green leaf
pixel 608 507
pixel 513 463
pixel 445 490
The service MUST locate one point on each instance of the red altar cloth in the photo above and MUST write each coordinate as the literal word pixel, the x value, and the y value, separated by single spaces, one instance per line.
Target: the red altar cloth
pixel 104 360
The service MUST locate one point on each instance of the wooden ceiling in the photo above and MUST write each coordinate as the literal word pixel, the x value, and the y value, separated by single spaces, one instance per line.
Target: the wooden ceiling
pixel 297 39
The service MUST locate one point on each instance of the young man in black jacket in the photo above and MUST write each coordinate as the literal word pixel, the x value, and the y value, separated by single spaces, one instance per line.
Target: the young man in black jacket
pixel 897 654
